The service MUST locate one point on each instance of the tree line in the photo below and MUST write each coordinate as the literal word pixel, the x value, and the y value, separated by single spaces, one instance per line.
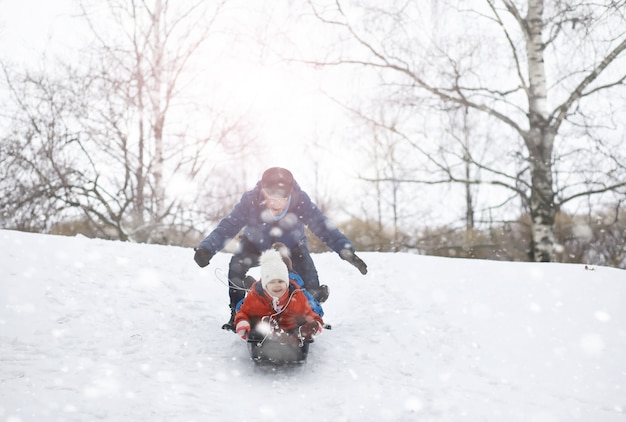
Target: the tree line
pixel 514 107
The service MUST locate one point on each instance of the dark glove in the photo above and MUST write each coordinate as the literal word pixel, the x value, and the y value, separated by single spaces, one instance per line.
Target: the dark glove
pixel 202 256
pixel 351 257
pixel 308 330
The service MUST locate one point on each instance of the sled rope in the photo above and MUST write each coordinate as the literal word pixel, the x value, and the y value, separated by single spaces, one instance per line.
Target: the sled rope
pixel 223 278
pixel 268 319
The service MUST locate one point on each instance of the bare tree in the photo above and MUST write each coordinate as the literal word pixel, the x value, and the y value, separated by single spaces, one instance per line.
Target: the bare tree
pixel 35 180
pixel 533 72
pixel 118 134
pixel 385 153
pixel 144 49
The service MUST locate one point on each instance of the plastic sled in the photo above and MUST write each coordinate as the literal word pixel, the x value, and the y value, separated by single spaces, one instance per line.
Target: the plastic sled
pixel 269 350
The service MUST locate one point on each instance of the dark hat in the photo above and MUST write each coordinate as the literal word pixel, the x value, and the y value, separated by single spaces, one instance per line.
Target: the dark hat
pixel 277 181
pixel 284 251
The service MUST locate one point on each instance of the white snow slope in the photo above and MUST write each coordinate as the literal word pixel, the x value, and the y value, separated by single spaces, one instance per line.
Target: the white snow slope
pixel 94 330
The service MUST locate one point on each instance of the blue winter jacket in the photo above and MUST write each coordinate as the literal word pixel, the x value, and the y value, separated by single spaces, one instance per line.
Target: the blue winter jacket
pixel 262 230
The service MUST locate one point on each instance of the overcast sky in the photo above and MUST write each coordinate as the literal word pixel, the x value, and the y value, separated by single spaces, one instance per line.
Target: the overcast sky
pixel 287 104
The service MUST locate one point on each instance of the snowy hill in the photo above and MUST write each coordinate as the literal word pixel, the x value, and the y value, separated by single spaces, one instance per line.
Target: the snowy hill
pixel 102 330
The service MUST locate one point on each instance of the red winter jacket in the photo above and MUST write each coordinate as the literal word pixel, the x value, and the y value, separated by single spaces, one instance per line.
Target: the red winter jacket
pixel 294 307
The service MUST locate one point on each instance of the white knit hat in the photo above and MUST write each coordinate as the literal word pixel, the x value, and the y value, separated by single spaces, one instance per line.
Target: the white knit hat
pixel 273 267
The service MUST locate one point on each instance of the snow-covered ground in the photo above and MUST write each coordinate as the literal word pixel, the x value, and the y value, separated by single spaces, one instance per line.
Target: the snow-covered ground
pixel 98 330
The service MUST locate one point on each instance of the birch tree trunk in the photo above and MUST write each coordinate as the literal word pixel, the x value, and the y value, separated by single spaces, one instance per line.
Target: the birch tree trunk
pixel 540 138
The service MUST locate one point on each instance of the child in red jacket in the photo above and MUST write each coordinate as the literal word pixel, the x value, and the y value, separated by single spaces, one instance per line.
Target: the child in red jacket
pixel 276 305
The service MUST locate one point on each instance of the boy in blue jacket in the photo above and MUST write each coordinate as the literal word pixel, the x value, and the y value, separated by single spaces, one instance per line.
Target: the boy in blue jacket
pixel 275 210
